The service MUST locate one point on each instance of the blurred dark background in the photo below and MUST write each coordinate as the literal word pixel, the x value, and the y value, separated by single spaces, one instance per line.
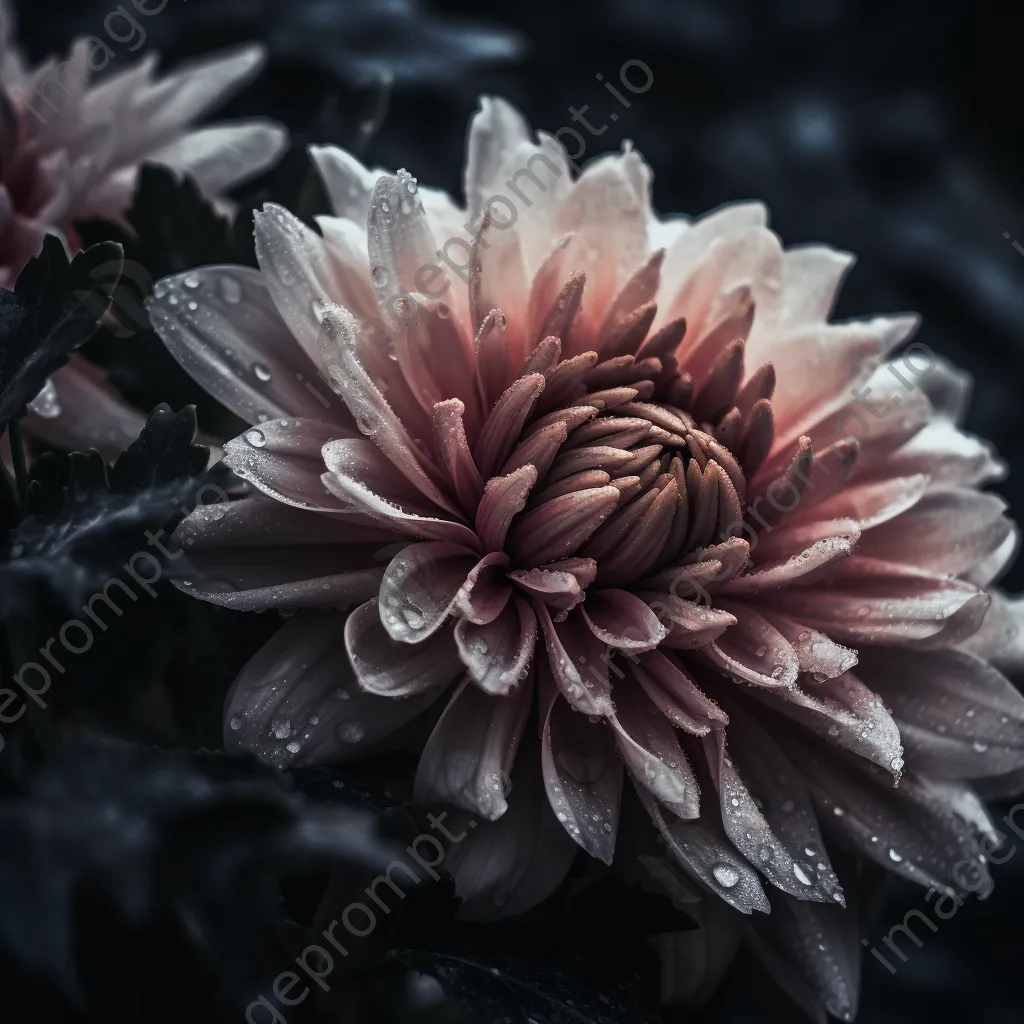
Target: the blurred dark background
pixel 891 129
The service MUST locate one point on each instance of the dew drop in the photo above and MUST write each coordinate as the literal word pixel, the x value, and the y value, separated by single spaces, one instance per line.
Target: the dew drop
pixel 804 873
pixel 895 857
pixel 725 875
pixel 46 403
pixel 235 723
pixel 413 618
pixel 191 281
pixel 281 730
pixel 380 276
pixel 352 731
pixel 256 437
pixel 261 372
pixel 761 651
pixel 293 747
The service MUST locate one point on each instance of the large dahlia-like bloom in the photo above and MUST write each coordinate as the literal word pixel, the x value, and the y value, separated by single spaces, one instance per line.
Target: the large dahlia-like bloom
pixel 622 480
pixel 71 151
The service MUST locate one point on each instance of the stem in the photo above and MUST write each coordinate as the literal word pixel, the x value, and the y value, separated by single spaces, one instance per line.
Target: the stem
pixel 18 458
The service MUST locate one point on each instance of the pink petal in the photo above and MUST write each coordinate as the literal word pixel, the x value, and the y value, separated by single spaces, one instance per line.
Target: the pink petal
pixel 947 531
pixel 505 422
pixel 237 347
pixel 503 498
pixel 648 745
pixel 296 701
pixel 504 868
pixel 959 717
pixel 557 528
pixel 844 713
pixel 373 415
pixel 283 459
pixel 399 239
pixel 470 752
pixel 89 413
pixel 258 578
pixel 362 477
pixel 1000 640
pixel 486 590
pixel 577 661
pixel 623 621
pixel 701 851
pixel 674 691
pixel 783 861
pixel 813 564
pixel 498 654
pixel 753 650
pixel 390 669
pixel 582 776
pixel 420 586
pixel 450 435
pixel 690 624
pixel 558 590
pixel 816 653
pixel 882 602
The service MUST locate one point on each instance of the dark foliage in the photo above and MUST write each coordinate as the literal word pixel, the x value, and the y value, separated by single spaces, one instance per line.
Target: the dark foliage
pixel 78 532
pixel 56 305
pixel 196 841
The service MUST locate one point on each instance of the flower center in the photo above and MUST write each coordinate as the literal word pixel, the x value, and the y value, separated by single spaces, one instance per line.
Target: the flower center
pixel 661 464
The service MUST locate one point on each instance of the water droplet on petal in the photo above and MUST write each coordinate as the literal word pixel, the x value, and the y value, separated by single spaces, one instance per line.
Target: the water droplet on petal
pixel 725 875
pixel 191 281
pixel 281 730
pixel 261 372
pixel 235 723
pixel 895 857
pixel 352 731
pixel 256 437
pixel 804 873
pixel 46 403
pixel 413 618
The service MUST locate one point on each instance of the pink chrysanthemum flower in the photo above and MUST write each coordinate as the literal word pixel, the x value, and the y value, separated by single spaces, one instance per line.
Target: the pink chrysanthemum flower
pixel 621 479
pixel 71 151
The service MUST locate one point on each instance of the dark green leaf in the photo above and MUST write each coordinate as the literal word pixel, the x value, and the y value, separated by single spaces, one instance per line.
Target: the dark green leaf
pixel 56 305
